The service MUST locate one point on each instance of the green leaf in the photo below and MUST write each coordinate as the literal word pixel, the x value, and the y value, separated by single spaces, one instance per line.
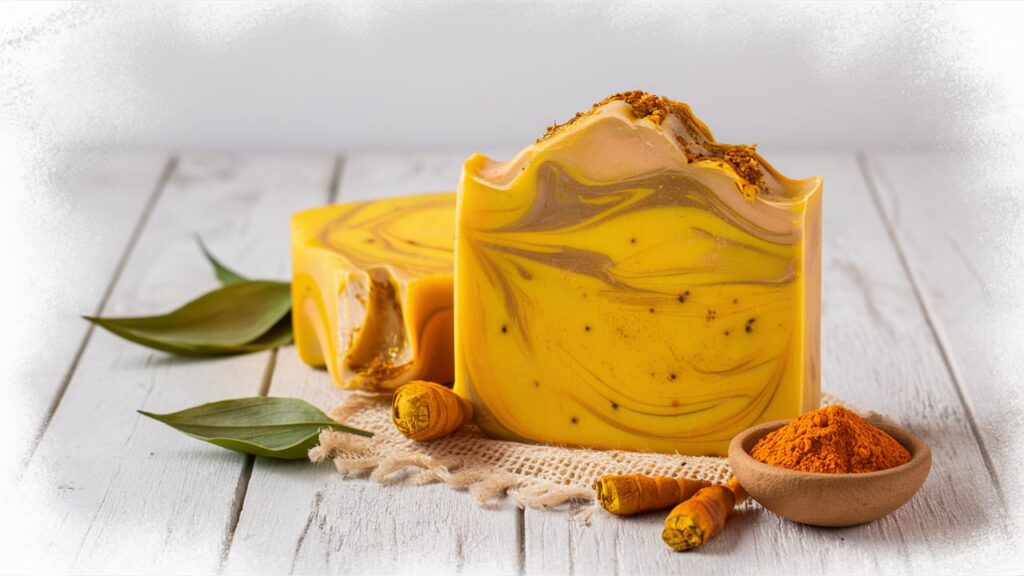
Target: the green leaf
pixel 226 275
pixel 279 335
pixel 262 426
pixel 231 316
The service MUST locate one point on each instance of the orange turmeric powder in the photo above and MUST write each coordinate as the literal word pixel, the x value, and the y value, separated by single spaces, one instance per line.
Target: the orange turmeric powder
pixel 831 440
pixel 630 494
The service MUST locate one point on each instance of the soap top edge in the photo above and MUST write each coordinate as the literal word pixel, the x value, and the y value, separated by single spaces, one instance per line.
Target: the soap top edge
pixel 381 234
pixel 695 140
pixel 316 212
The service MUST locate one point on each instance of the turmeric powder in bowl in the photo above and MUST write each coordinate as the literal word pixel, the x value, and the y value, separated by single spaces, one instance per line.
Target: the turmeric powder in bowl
pixel 831 440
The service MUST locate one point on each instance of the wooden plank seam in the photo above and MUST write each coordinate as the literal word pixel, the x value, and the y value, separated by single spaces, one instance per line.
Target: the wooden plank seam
pixel 154 197
pixel 242 488
pixel 928 314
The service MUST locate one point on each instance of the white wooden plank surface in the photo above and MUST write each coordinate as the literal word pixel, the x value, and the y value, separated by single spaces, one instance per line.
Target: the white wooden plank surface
pixel 877 354
pixel 958 222
pixel 76 199
pixel 108 491
pixel 304 519
pixel 378 175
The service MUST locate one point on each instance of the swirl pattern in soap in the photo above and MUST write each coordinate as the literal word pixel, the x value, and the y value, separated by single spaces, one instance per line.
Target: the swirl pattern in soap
pixel 644 313
pixel 412 237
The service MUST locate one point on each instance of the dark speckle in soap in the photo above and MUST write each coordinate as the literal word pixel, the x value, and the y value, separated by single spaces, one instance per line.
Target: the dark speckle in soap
pixel 574 420
pixel 615 406
pixel 504 329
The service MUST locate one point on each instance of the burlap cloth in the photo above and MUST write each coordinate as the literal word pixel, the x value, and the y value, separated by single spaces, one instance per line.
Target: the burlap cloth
pixel 538 476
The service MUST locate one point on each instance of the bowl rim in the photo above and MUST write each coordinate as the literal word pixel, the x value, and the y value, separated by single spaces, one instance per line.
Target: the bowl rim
pixel 919 451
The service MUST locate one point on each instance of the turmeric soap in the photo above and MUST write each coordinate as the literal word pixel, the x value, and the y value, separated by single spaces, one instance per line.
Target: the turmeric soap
pixel 372 290
pixel 628 282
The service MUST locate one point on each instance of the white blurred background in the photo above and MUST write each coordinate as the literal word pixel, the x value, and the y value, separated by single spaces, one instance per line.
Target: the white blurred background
pixel 403 76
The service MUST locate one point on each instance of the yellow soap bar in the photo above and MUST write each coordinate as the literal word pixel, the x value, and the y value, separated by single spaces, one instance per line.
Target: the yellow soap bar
pixel 372 290
pixel 628 282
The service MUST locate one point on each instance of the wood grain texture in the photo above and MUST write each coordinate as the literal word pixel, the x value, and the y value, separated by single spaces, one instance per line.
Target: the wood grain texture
pixel 304 519
pixel 877 354
pixel 108 491
pixel 76 199
pixel 301 518
pixel 957 221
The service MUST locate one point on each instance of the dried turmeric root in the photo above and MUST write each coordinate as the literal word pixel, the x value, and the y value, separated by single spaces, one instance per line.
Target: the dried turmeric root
pixel 424 410
pixel 634 493
pixel 700 518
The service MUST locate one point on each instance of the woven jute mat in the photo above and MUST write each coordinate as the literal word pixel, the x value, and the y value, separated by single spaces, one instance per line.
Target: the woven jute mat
pixel 537 476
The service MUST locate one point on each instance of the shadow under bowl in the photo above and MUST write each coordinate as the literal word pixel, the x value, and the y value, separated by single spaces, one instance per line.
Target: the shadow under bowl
pixel 829 499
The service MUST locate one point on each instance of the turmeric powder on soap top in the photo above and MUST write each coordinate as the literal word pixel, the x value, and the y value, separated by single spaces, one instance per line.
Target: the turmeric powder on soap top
pixel 830 440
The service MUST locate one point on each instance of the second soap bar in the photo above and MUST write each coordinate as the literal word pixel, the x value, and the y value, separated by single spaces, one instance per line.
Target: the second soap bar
pixel 372 290
pixel 628 282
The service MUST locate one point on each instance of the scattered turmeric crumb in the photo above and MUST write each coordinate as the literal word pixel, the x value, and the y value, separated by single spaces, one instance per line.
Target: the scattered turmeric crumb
pixel 646 106
pixel 380 368
pixel 700 144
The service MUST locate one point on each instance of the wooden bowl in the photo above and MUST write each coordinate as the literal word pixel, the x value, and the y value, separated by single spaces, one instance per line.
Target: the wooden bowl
pixel 829 499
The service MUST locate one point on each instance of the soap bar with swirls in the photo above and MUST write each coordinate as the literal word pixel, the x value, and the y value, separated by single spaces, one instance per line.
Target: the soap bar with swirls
pixel 628 282
pixel 372 290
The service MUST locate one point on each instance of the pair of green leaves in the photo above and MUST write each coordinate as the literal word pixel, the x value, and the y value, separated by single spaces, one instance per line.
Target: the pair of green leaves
pixel 241 316
pixel 271 427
